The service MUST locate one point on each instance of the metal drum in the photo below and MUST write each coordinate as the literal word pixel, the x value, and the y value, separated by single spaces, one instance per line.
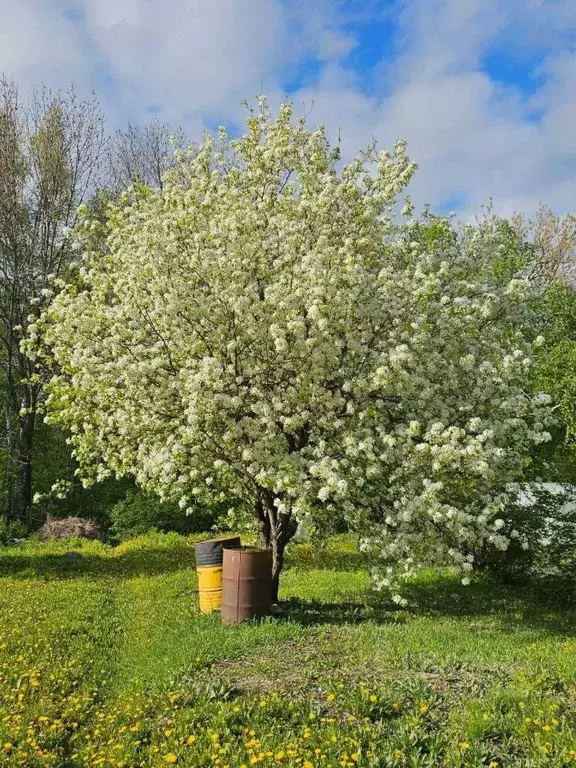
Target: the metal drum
pixel 209 556
pixel 246 584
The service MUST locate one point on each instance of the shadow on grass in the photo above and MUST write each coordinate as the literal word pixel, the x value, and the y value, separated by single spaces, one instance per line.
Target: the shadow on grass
pixel 487 595
pixel 147 561
pixel 549 605
pixel 544 606
pixel 314 612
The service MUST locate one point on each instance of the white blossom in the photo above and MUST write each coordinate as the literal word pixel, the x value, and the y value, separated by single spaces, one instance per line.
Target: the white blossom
pixel 260 329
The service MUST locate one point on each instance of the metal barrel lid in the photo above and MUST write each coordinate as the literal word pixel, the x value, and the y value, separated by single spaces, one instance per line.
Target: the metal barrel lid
pixel 210 552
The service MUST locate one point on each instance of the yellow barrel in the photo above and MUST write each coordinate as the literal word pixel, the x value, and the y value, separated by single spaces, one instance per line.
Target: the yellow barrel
pixel 210 588
pixel 209 555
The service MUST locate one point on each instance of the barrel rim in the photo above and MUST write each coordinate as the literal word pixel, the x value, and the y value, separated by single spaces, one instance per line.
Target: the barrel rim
pixel 248 548
pixel 219 540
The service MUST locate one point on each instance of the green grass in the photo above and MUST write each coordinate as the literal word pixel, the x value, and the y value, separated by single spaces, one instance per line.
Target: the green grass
pixel 106 661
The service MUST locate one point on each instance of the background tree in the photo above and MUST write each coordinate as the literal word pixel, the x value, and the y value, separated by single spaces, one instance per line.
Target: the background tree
pixel 557 370
pixel 544 250
pixel 51 152
pixel 552 242
pixel 144 153
pixel 258 332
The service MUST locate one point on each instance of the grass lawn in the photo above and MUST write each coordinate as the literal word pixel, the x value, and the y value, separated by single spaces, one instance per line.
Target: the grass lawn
pixel 105 661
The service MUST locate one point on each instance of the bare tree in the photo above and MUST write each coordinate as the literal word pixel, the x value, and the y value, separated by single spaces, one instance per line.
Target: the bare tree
pixel 145 153
pixel 553 243
pixel 52 150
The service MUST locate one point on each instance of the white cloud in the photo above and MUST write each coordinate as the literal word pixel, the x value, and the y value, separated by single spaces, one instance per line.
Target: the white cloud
pixel 187 55
pixel 332 44
pixel 194 60
pixel 471 136
pixel 37 44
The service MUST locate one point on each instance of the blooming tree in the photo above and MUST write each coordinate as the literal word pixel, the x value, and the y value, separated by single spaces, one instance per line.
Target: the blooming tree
pixel 260 330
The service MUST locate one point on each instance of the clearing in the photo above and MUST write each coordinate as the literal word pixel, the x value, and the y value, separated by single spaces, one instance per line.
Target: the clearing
pixel 105 661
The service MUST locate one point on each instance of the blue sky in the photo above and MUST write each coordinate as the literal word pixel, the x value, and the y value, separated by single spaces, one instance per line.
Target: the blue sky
pixel 484 91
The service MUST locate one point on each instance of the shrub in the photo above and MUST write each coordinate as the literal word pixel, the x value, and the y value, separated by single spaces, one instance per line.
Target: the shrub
pixel 69 528
pixel 541 528
pixel 10 529
pixel 139 512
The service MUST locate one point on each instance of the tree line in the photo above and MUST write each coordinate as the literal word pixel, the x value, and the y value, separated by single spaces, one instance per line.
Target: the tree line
pixel 55 155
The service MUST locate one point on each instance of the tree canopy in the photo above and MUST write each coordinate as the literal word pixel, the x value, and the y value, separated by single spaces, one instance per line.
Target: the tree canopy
pixel 259 331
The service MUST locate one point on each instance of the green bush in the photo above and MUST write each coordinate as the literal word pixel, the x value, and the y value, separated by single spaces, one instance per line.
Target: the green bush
pixel 11 530
pixel 138 513
pixel 541 526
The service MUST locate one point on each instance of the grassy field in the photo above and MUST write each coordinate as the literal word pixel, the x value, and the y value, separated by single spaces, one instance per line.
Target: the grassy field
pixel 105 661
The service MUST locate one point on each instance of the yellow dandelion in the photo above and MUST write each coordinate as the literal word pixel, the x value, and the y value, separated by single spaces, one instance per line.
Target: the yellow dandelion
pixel 171 758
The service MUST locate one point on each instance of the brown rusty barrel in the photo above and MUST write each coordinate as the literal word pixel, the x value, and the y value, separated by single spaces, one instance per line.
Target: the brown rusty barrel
pixel 246 584
pixel 209 569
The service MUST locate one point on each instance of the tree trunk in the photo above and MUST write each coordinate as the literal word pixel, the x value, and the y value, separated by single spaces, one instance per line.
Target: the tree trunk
pixel 263 523
pixel 275 533
pixel 278 547
pixel 9 465
pixel 25 467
